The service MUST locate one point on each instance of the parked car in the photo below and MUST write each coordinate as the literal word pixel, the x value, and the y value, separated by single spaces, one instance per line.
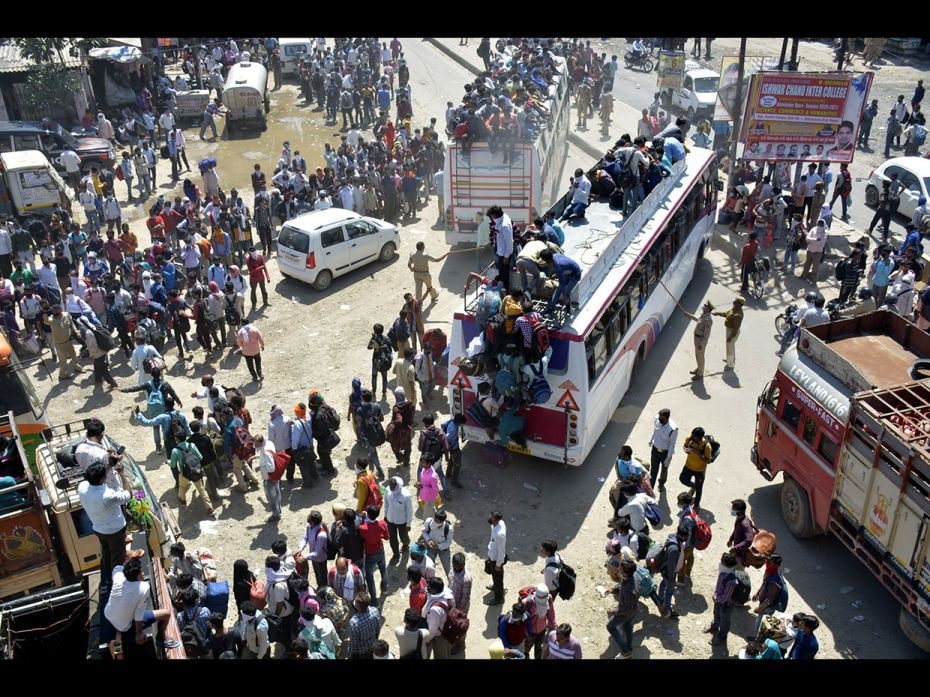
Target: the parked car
pixel 318 246
pixel 913 173
pixel 697 94
pixel 30 135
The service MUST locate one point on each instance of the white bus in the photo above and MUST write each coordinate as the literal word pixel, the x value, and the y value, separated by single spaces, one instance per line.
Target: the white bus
pixel 621 308
pixel 525 187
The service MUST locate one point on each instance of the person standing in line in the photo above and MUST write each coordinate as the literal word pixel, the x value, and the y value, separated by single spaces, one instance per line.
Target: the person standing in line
pixel 364 626
pixel 620 624
pixel 450 429
pixel 497 557
pixel 62 327
pixel 865 124
pixel 701 338
pixel 662 446
pixel 266 465
pixel 373 533
pixel 772 595
pixel 398 513
pixel 302 451
pixel 733 321
pixel 258 275
pixel 418 263
pixel 743 531
pixel 251 343
pixel 747 260
pixel 723 601
pixel 101 362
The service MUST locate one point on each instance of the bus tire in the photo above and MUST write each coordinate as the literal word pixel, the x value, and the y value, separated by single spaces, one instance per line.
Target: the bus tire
pixel 914 630
pixel 796 509
pixel 701 249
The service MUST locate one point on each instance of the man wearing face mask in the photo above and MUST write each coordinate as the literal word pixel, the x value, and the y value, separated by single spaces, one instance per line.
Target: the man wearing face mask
pixel 773 593
pixel 743 531
pixel 252 630
pixel 723 600
pixel 436 611
pixel 540 620
pixel 62 329
pixel 662 445
pixel 626 465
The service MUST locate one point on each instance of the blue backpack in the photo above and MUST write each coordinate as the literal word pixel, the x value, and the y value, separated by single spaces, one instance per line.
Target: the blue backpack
pixel 540 392
pixel 505 382
pixel 155 404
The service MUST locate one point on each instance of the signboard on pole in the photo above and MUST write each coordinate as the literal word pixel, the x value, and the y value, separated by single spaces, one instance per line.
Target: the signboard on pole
pixel 726 107
pixel 671 69
pixel 804 116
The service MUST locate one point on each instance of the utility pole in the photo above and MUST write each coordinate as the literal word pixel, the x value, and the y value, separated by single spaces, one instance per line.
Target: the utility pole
pixel 784 50
pixel 738 117
pixel 841 54
pixel 793 64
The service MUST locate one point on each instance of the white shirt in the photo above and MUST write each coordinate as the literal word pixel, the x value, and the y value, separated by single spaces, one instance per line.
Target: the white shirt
pixel 166 121
pixel 266 459
pixel 812 180
pixel 551 573
pixel 322 204
pixel 71 161
pixel 504 239
pixel 102 505
pixel 582 190
pixel 398 507
pixel 46 275
pixel 352 137
pixel 814 316
pixel 440 534
pixel 900 110
pixel 128 601
pixel 635 508
pixel 664 435
pixel 497 546
pixel 89 452
pixel 88 200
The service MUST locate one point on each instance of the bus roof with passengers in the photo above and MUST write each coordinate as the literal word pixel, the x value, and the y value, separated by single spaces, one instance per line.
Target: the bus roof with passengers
pixel 634 269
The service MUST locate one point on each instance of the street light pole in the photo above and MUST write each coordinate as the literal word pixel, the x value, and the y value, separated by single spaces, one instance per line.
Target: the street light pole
pixel 738 117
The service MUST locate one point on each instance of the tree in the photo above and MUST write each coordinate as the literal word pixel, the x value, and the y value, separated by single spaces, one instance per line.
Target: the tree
pixel 50 89
pixel 46 49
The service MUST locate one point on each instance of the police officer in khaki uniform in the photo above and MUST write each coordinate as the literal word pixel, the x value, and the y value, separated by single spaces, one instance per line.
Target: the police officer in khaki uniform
pixel 419 264
pixel 701 337
pixel 733 322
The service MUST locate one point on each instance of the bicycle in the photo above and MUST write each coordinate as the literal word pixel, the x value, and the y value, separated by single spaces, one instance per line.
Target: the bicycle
pixel 758 277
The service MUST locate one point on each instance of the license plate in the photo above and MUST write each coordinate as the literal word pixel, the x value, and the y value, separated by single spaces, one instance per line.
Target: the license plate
pixel 517 448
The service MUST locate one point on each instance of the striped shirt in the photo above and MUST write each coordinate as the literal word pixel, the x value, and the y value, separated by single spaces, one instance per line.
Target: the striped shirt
pixel 571 651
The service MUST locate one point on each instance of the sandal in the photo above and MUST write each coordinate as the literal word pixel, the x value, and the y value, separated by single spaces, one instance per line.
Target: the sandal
pixel 168 643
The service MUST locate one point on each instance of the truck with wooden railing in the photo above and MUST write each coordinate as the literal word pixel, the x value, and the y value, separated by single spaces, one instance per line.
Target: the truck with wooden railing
pixel 848 426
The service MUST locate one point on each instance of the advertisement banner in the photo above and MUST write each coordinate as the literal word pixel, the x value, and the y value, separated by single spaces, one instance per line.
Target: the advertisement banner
pixel 726 108
pixel 671 69
pixel 804 116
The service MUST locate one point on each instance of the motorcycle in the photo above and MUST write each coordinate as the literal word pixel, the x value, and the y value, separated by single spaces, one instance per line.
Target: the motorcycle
pixel 643 62
pixel 786 325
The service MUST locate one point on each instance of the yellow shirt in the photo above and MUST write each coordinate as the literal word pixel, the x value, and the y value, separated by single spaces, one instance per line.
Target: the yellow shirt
pixel 699 456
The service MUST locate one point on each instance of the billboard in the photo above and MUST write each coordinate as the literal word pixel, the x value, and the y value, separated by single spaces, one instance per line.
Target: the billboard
pixel 671 69
pixel 804 116
pixel 726 108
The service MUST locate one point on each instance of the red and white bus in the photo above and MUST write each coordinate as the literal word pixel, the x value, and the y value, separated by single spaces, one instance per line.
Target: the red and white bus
pixel 621 308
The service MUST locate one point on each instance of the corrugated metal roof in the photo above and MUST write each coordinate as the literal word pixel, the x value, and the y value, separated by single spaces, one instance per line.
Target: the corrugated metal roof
pixel 11 61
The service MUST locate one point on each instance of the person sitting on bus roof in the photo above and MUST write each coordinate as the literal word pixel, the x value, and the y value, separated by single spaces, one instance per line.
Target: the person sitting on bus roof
pixel 677 130
pixel 512 308
pixel 554 225
pixel 674 149
pixel 603 185
pixel 581 190
pixel 567 271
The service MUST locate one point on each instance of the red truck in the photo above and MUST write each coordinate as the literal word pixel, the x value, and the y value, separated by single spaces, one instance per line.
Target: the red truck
pixel 848 426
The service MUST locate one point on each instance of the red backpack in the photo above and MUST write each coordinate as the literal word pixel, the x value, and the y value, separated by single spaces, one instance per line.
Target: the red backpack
pixel 281 461
pixel 243 445
pixel 540 334
pixel 374 493
pixel 702 533
pixel 456 625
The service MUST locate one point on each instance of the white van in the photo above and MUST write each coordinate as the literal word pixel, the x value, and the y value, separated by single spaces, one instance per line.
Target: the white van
pixel 33 184
pixel 697 95
pixel 318 246
pixel 245 96
pixel 290 51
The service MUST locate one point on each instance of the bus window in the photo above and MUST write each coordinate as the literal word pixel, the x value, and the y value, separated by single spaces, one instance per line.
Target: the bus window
pixel 827 449
pixel 597 353
pixel 617 326
pixel 791 415
pixel 810 430
pixel 770 397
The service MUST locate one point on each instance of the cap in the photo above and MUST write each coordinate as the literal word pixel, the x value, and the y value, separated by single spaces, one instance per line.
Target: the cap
pixel 740 300
pixel 709 305
pixel 542 591
pixel 665 412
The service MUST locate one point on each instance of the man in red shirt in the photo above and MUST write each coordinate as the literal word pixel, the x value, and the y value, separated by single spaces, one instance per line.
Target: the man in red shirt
pixel 373 533
pixel 114 249
pixel 747 259
pixel 258 274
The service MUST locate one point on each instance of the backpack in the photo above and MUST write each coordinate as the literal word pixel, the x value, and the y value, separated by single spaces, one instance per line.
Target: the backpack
pixel 839 270
pixel 374 431
pixel 176 430
pixel 743 588
pixel 243 445
pixel 645 584
pixel 105 341
pixel 714 448
pixel 257 595
pixel 432 446
pixel 281 461
pixel 540 335
pixel 702 533
pixel 392 338
pixel 653 514
pixel 155 404
pixel 196 642
pixel 505 382
pixel 540 392
pixel 781 602
pixel 231 313
pixel 477 413
pixel 456 624
pixel 565 582
pixel 375 497
pixel 332 549
pixel 153 363
pixel 920 135
pixel 328 417
pixel 417 653
pixel 334 607
pixel 191 466
pixel 657 557
pixel 384 356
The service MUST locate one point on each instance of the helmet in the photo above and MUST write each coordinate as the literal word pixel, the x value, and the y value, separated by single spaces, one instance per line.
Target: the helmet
pixel 891 300
pixel 865 293
pixel 811 296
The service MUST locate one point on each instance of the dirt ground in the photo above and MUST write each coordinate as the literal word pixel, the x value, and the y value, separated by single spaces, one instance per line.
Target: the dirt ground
pixel 318 341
